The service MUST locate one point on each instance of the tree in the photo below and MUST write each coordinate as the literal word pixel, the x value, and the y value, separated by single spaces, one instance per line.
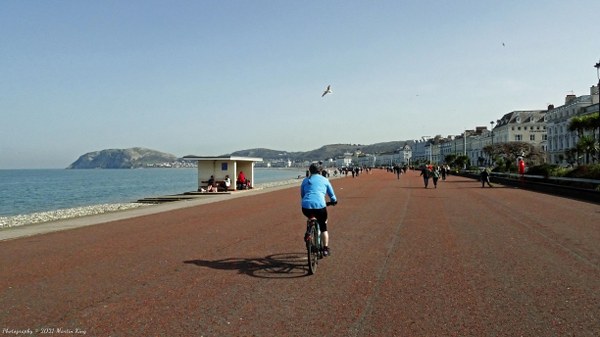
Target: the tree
pixel 587 145
pixel 508 153
pixel 578 123
pixel 462 161
pixel 449 159
pixel 571 156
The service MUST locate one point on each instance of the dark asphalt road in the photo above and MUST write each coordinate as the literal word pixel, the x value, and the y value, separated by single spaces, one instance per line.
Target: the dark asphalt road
pixel 458 260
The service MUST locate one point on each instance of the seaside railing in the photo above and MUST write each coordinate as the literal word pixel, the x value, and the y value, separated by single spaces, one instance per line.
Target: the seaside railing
pixel 575 188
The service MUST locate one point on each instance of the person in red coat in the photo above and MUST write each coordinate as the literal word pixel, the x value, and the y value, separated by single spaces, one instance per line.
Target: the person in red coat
pixel 521 166
pixel 242 182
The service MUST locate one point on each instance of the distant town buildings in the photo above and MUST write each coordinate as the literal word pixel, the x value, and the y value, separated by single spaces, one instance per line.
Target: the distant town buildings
pixel 547 130
pixel 172 164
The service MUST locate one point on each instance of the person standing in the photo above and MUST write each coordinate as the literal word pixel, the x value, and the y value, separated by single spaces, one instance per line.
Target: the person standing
pixel 521 166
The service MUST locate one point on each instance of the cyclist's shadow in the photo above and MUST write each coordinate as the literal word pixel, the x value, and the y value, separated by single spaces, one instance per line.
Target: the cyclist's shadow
pixel 284 265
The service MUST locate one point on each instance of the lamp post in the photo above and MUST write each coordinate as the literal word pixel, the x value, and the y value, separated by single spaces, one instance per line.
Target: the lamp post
pixel 597 66
pixel 426 139
pixel 492 148
pixel 465 149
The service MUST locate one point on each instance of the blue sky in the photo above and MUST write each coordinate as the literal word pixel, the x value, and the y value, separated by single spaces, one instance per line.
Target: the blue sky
pixel 213 77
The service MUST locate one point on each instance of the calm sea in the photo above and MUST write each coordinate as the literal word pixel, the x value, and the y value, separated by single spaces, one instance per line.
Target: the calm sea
pixel 30 191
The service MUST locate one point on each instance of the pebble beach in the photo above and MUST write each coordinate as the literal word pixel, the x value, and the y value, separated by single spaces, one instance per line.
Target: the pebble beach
pixel 70 213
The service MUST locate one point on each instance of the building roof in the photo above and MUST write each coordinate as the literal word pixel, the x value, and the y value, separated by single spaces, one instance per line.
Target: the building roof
pixel 212 158
pixel 528 116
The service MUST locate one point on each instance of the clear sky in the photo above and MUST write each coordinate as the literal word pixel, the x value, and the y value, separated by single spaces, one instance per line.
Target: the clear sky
pixel 210 77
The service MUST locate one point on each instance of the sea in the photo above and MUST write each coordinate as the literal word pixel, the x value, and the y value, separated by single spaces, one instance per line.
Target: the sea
pixel 41 190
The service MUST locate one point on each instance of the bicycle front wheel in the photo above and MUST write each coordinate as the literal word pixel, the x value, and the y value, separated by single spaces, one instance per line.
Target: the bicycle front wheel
pixel 312 250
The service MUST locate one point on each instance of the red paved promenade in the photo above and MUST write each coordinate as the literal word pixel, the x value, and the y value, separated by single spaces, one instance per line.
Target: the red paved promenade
pixel 458 260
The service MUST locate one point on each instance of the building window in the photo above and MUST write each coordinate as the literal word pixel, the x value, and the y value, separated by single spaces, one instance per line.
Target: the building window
pixel 532 137
pixel 518 138
pixel 561 143
pixel 544 137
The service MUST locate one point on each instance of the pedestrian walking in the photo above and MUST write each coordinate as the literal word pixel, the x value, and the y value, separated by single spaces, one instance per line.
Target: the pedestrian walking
pixel 397 171
pixel 435 175
pixel 485 177
pixel 425 173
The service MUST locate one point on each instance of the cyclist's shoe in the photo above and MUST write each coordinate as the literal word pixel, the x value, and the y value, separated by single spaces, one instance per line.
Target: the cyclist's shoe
pixel 326 251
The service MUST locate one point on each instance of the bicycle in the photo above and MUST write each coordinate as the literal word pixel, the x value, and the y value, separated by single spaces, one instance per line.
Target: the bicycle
pixel 314 246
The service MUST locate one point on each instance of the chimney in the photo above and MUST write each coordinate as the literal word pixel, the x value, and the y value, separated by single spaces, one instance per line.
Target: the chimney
pixel 550 107
pixel 594 93
pixel 569 98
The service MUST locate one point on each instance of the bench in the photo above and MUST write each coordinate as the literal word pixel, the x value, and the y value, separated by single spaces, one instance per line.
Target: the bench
pixel 220 188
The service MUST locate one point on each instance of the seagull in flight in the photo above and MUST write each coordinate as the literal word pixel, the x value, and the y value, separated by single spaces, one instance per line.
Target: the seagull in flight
pixel 327 91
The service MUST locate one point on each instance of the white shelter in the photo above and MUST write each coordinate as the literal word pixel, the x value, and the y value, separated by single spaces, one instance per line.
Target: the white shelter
pixel 221 166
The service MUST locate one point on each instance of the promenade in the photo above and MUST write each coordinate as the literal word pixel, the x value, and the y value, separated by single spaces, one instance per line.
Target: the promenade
pixel 459 260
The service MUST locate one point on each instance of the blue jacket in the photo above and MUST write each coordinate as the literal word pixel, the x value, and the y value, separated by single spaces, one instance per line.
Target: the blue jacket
pixel 313 191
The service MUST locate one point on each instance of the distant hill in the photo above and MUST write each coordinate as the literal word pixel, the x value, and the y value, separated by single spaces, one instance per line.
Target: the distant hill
pixel 138 157
pixel 322 153
pixel 122 159
pixel 261 153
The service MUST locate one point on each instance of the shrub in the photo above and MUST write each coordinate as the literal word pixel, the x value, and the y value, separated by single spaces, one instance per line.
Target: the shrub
pixel 545 170
pixel 585 171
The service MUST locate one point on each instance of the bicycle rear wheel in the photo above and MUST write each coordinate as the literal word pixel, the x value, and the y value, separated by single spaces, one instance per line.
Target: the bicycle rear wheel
pixel 312 250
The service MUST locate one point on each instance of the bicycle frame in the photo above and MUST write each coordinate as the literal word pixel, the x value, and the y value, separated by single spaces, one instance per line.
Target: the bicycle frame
pixel 312 238
pixel 313 244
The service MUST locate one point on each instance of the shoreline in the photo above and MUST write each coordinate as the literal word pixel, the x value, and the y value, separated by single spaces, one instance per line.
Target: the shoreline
pixel 17 226
pixel 26 192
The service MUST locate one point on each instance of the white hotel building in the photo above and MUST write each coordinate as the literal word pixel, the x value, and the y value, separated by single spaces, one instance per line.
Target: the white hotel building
pixel 560 139
pixel 545 129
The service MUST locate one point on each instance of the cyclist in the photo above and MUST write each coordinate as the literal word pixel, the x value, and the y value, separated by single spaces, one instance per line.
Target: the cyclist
pixel 313 191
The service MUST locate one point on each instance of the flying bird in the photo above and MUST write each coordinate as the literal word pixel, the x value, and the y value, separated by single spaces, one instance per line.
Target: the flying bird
pixel 327 91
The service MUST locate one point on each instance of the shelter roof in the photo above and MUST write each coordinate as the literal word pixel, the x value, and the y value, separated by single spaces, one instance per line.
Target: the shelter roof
pixel 230 158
